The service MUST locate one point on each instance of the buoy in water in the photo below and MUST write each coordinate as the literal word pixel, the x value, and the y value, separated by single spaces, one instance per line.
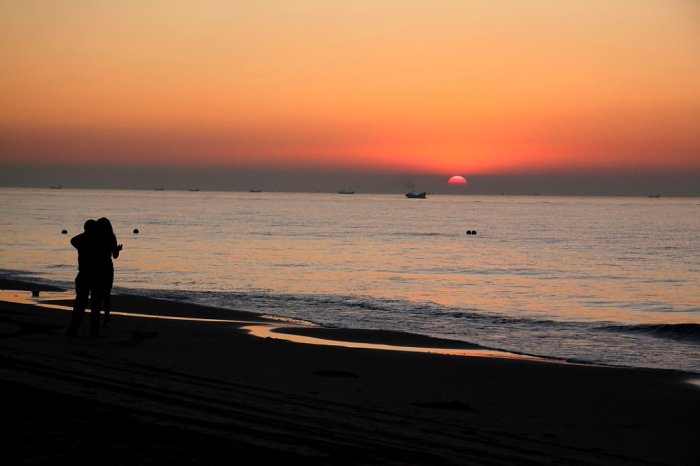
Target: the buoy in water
pixel 136 231
pixel 64 232
pixel 471 232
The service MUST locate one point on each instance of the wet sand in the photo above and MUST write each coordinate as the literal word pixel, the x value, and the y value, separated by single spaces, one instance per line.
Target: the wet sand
pixel 149 391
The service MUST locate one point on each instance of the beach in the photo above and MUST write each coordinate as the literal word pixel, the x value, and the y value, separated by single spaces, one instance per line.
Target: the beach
pixel 151 390
pixel 544 276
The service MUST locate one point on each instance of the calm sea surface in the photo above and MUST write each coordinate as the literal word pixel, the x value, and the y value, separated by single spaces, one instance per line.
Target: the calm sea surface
pixel 601 280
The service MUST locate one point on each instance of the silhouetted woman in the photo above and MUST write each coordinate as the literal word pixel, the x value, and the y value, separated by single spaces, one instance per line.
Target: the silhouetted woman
pixel 105 268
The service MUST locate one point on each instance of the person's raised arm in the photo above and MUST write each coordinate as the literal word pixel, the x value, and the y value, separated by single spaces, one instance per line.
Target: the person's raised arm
pixel 78 241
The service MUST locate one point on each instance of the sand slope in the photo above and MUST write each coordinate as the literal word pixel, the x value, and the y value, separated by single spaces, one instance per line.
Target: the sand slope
pixel 150 391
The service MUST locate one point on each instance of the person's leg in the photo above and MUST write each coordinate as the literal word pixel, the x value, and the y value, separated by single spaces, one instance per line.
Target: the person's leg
pixel 95 307
pixel 106 299
pixel 82 291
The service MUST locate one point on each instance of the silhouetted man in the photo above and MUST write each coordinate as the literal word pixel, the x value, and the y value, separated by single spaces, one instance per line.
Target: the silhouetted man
pixel 86 283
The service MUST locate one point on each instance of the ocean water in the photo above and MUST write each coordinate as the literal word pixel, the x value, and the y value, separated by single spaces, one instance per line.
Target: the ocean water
pixel 598 280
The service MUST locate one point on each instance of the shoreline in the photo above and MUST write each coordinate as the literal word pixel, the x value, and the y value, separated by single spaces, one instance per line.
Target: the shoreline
pixel 208 390
pixel 308 332
pixel 276 327
pixel 312 333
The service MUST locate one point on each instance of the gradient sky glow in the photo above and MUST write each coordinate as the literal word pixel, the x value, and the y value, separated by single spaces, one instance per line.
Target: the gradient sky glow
pixel 430 86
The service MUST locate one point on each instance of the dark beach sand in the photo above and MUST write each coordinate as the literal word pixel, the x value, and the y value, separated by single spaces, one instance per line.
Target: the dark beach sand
pixel 155 391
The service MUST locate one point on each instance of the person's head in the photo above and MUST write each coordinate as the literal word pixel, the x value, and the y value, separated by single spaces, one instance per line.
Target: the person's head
pixel 90 226
pixel 104 226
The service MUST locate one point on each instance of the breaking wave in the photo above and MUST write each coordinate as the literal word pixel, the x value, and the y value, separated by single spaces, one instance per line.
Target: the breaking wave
pixel 684 332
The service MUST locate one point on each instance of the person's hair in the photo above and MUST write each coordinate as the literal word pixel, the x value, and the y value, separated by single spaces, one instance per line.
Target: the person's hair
pixel 90 225
pixel 105 226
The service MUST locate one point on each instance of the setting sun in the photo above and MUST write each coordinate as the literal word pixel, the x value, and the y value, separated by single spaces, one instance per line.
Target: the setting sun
pixel 457 180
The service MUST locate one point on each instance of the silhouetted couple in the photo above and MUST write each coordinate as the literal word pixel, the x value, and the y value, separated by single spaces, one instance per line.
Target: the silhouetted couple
pixel 96 246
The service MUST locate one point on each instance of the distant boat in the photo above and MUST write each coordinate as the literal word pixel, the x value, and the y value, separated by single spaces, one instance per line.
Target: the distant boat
pixel 160 189
pixel 194 190
pixel 255 190
pixel 56 187
pixel 346 191
pixel 412 194
pixel 656 196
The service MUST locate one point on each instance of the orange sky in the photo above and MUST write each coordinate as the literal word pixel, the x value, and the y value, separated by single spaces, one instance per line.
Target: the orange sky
pixel 434 86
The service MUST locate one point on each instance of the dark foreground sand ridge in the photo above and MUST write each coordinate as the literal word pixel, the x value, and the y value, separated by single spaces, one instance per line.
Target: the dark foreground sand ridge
pixel 150 391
